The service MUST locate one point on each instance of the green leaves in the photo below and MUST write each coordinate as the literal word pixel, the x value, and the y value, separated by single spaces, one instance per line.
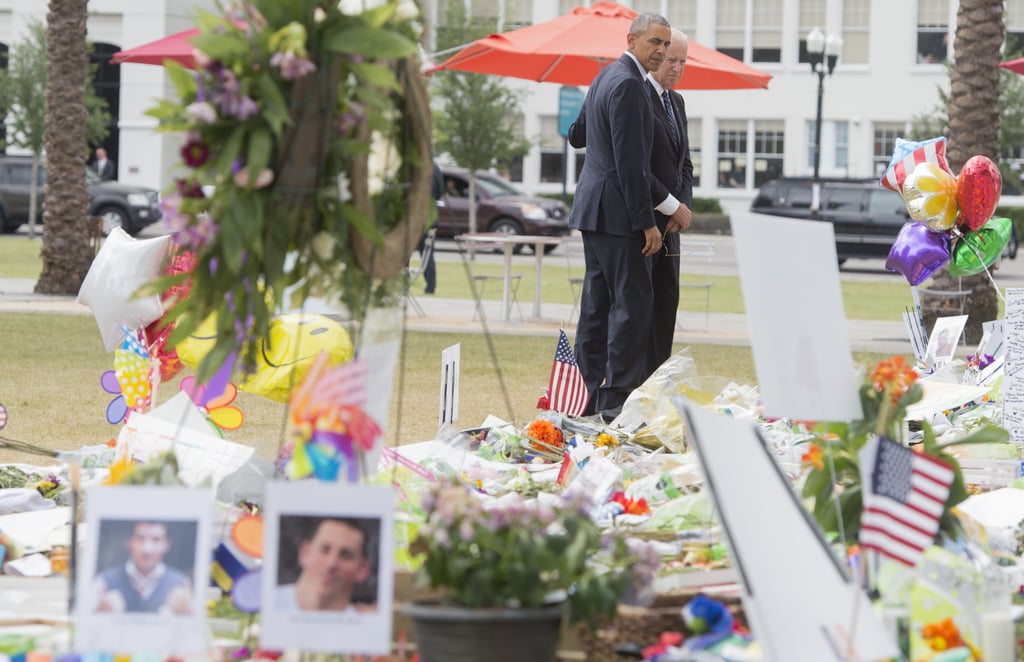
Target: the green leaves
pixel 369 41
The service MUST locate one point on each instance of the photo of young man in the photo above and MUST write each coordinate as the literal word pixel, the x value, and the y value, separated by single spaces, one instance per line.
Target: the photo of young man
pixel 331 569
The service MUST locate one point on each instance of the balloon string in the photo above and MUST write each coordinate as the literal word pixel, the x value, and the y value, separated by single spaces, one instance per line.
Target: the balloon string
pixel 981 260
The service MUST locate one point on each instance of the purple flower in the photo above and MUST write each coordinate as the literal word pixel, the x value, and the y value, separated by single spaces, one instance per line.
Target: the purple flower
pixel 292 65
pixel 201 112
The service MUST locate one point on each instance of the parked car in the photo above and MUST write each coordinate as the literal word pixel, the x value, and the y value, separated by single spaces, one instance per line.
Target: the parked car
pixel 501 208
pixel 129 207
pixel 866 217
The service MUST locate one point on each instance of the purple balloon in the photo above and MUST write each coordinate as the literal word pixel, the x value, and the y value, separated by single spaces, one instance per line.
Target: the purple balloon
pixel 918 252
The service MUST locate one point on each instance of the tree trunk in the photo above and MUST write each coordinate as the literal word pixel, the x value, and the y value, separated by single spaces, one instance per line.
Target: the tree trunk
pixel 67 251
pixel 974 124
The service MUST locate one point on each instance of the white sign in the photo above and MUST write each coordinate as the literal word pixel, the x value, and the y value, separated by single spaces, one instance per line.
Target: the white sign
pixel 790 276
pixel 448 407
pixel 1013 366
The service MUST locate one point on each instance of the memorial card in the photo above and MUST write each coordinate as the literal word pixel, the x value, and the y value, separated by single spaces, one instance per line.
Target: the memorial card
pixel 328 580
pixel 141 587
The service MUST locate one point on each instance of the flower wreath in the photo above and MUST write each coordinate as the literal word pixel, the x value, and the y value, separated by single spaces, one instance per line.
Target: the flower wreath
pixel 279 117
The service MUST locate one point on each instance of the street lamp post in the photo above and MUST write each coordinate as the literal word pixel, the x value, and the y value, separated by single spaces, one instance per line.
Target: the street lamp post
pixel 823 54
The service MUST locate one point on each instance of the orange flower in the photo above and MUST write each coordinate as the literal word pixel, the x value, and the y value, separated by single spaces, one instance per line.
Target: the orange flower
pixel 893 376
pixel 812 457
pixel 546 431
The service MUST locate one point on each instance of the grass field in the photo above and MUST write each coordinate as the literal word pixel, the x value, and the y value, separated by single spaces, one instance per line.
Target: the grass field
pixel 51 366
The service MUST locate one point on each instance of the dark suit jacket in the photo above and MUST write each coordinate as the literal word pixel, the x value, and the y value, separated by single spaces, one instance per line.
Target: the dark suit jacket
pixel 613 193
pixel 106 173
pixel 671 166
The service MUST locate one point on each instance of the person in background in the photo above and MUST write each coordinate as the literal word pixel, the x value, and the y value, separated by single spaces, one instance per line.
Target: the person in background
pixel 437 191
pixel 144 583
pixel 612 210
pixel 103 166
pixel 671 193
pixel 332 561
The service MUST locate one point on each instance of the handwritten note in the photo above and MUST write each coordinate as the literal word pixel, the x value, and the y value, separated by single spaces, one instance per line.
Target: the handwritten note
pixel 1013 367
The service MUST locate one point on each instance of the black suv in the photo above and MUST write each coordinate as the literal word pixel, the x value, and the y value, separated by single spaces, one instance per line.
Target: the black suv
pixel 500 208
pixel 119 205
pixel 866 217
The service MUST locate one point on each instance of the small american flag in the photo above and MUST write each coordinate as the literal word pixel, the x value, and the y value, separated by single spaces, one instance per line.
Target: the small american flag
pixel 904 495
pixel 566 392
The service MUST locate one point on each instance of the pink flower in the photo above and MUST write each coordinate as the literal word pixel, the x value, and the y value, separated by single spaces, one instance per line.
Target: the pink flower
pixel 292 65
pixel 263 180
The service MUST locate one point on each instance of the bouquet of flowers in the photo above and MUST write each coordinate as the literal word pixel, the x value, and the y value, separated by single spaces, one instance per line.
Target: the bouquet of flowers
pixel 512 552
pixel 307 148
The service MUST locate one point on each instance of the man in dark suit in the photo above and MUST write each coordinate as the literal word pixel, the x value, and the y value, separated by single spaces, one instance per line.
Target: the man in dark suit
pixel 671 193
pixel 104 167
pixel 612 210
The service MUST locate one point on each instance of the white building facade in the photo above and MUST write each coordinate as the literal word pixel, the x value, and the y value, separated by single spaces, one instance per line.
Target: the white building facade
pixel 889 71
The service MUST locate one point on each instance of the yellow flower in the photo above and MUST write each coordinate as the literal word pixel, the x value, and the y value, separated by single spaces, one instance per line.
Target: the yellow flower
pixel 119 471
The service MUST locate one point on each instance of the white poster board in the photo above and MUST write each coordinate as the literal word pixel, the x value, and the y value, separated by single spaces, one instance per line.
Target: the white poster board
pixel 306 523
pixel 790 277
pixel 801 603
pixel 132 528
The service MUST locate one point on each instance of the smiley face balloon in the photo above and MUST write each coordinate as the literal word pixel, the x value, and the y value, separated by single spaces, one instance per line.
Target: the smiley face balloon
pixel 930 195
pixel 294 342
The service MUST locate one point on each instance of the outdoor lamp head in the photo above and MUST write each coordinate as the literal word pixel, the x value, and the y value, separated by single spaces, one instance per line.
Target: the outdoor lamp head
pixel 815 47
pixel 832 48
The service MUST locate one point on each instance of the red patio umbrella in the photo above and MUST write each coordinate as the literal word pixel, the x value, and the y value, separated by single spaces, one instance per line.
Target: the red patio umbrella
pixel 571 49
pixel 1016 66
pixel 172 47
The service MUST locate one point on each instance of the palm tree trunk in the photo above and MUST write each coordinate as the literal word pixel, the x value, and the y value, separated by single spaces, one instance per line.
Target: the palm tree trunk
pixel 974 124
pixel 67 252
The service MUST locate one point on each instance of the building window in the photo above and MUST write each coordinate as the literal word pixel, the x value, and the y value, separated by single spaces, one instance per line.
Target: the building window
pixel 745 26
pixel 856 19
pixel 767 31
pixel 842 141
pixel 886 134
pixel 552 160
pixel 932 30
pixel 1013 18
pixel 836 134
pixel 730 34
pixel 732 154
pixel 513 168
pixel 769 143
pixel 566 6
pixel 518 14
pixel 812 15
pixel 681 14
pixel 693 132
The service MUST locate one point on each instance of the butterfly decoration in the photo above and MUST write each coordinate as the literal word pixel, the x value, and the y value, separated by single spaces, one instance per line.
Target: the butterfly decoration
pixel 131 380
pixel 217 408
pixel 117 410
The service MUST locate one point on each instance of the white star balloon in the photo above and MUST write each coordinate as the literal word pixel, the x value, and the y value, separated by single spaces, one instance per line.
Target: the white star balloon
pixel 122 266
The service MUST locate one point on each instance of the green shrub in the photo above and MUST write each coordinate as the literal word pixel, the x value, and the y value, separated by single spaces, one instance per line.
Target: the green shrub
pixel 706 206
pixel 1016 214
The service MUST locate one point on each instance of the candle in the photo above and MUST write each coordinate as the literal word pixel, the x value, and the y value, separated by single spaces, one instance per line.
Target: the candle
pixel 997 637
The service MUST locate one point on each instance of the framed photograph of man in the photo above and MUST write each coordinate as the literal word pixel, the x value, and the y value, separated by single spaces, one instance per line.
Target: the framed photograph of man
pixel 327 579
pixel 944 339
pixel 140 586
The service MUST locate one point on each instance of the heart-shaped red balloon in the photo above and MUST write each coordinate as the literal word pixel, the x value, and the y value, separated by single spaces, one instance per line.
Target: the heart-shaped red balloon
pixel 978 187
